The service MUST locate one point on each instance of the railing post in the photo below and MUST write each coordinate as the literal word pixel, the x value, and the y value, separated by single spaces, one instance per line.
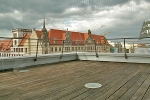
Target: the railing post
pixel 125 50
pixel 96 49
pixel 76 47
pixel 2 65
pixel 35 59
pixel 62 50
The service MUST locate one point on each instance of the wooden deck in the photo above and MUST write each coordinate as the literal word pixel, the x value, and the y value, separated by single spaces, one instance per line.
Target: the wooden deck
pixel 65 81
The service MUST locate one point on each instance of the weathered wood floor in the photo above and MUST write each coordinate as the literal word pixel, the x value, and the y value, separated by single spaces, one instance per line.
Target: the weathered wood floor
pixel 65 81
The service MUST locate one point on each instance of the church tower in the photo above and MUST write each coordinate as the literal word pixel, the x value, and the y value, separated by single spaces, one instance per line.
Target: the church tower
pixel 44 39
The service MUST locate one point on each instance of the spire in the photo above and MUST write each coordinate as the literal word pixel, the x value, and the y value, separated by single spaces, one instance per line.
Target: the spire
pixel 67 33
pixel 44 28
pixel 44 22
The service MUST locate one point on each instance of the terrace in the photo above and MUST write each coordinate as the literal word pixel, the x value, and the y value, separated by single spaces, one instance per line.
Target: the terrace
pixel 66 80
pixel 63 75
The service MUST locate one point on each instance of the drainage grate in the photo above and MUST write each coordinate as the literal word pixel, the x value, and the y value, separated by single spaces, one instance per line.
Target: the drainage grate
pixel 93 85
pixel 23 71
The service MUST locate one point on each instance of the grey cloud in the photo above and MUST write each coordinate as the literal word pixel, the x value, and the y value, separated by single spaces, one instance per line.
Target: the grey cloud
pixel 107 2
pixel 55 11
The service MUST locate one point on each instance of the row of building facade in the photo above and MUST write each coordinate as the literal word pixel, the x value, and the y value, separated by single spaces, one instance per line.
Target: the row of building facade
pixel 29 42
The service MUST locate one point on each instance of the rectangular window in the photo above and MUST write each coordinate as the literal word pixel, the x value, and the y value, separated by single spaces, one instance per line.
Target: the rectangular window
pixel 16 49
pixel 55 48
pixel 72 48
pixel 59 48
pixel 52 49
pixel 78 48
pixel 21 49
pixel 25 49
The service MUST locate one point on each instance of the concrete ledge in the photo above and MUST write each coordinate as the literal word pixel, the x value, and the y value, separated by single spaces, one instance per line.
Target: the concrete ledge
pixel 26 61
pixel 115 57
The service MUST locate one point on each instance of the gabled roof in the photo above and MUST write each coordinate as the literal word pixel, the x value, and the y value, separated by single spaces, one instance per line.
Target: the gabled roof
pixel 59 34
pixel 99 39
pixel 24 39
pixel 38 33
pixel 77 36
pixel 5 45
pixel 56 36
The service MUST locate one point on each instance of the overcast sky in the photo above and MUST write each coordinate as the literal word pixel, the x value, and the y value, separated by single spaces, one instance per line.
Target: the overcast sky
pixel 123 18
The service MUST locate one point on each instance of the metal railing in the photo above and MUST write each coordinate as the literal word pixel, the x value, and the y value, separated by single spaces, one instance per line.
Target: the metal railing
pixel 12 47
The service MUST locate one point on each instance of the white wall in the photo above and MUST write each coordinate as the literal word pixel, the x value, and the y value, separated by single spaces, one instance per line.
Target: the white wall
pixel 115 57
pixel 19 62
pixel 141 50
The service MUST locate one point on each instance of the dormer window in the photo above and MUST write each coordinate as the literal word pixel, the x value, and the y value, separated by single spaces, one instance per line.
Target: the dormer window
pixel 76 42
pixel 55 40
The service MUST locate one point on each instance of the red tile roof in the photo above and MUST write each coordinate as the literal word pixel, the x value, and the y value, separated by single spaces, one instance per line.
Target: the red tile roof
pixel 77 36
pixel 38 33
pixel 74 36
pixel 24 39
pixel 99 39
pixel 59 35
pixel 5 45
pixel 141 45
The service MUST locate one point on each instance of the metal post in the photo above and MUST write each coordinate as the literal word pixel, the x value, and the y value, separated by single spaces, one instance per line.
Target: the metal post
pixel 62 50
pixel 96 49
pixel 2 65
pixel 77 50
pixel 35 59
pixel 125 50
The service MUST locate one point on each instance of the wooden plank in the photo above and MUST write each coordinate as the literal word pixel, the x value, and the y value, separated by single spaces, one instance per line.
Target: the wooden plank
pixel 147 95
pixel 83 90
pixel 122 75
pixel 116 87
pixel 66 81
pixel 31 84
pixel 140 92
pixel 121 90
pixel 128 95
pixel 143 92
pixel 51 93
pixel 115 75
